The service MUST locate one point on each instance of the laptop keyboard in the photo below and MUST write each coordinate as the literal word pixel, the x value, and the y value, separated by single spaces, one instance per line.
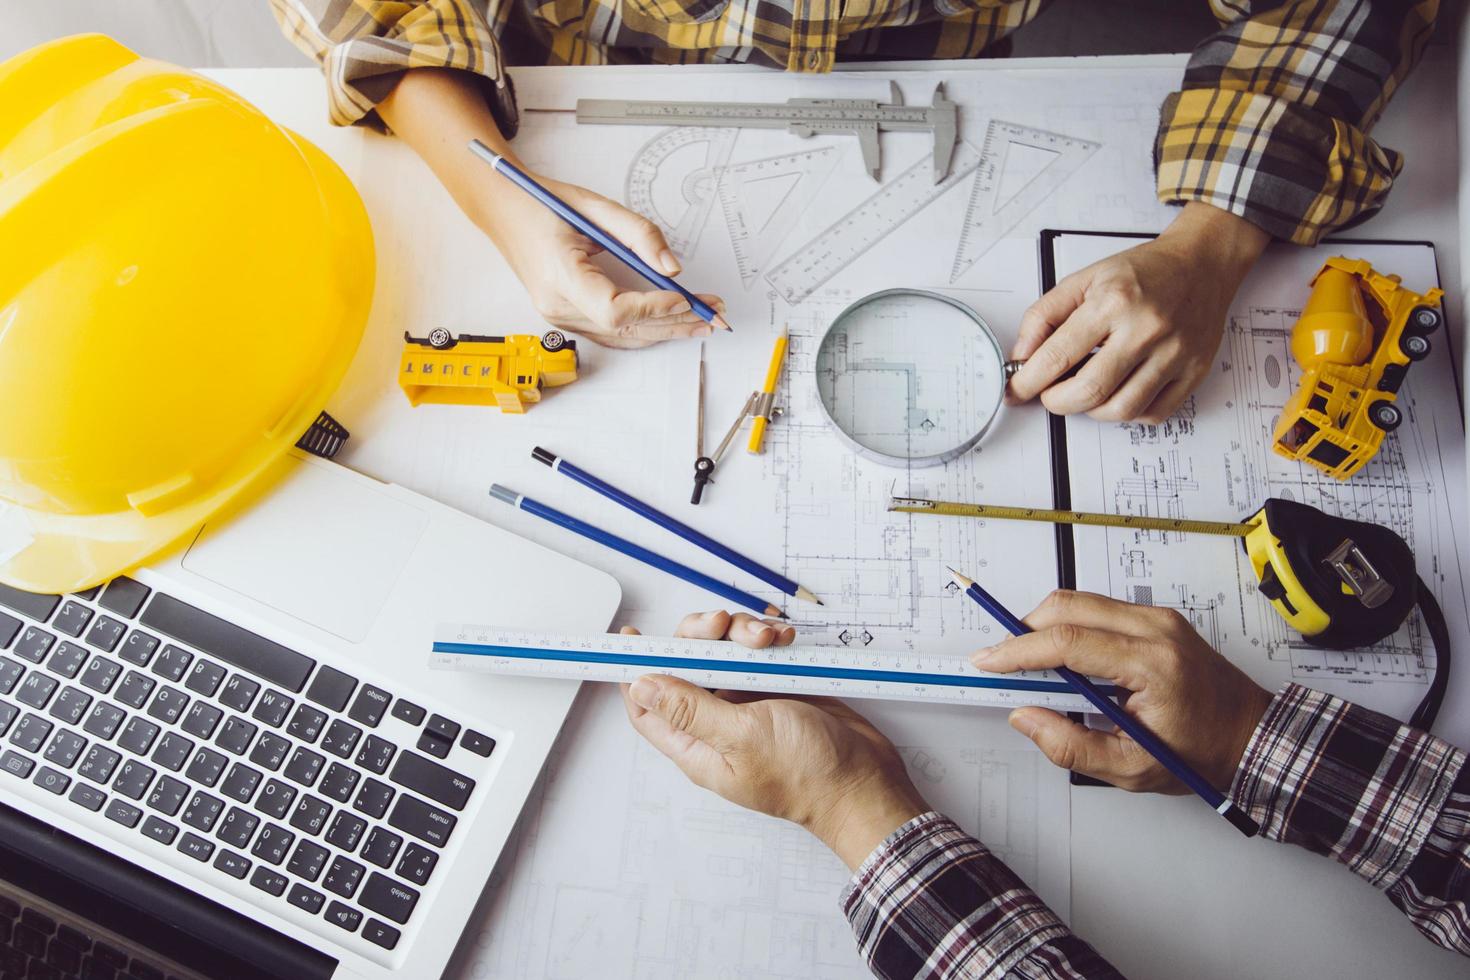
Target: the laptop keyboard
pixel 248 757
pixel 40 941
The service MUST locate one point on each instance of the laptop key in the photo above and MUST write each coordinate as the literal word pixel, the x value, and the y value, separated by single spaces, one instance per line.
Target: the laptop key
pixel 390 899
pixel 331 688
pixel 205 678
pixel 172 663
pixel 345 916
pixel 124 596
pixel 31 604
pixel 241 782
pixel 168 704
pixel 346 831
pixel 273 843
pixel 201 719
pixel 427 778
pixel 99 764
pixel 381 847
pixel 72 619
pixel 272 708
pixel 270 751
pixel 202 812
pixel 105 634
pixel 375 755
pixel 339 782
pixel 310 815
pixel 133 779
pixel 10 672
pixel 417 864
pixel 33 644
pixel 305 898
pixel 232 864
pixel 380 934
pixel 407 711
pixel 10 628
pixel 160 830
pixel 225 641
pixel 343 877
pixel 418 819
pixel 30 732
pixel 67 659
pixel 87 796
pixel 64 748
pixel 341 738
pixel 16 764
pixel 139 648
pixel 168 795
pixel 237 827
pixel 268 881
pixel 101 674
pixel 235 736
pixel 307 723
pixel 52 780
pixel 137 735
pixel 206 766
pixel 276 799
pixel 36 690
pixel 373 798
pixel 134 689
pixel 239 692
pixel 308 860
pixel 173 751
pixel 370 706
pixel 124 813
pixel 196 847
pixel 8 713
pixel 104 721
pixel 70 705
pixel 481 745
pixel 434 744
pixel 305 766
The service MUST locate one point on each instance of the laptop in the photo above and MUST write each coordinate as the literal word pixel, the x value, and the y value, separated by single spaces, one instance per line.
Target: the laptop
pixel 235 763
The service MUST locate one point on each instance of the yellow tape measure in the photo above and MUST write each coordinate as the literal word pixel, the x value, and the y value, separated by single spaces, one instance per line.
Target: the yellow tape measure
pixel 915 505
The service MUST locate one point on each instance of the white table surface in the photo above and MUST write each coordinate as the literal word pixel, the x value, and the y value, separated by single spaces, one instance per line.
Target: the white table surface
pixel 1160 885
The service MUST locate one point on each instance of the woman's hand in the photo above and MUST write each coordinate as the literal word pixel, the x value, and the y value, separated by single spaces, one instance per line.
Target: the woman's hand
pixel 813 761
pixel 1155 313
pixel 1200 704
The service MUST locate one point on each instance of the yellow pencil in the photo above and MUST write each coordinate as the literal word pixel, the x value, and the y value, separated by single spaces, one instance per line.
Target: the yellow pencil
pixel 762 410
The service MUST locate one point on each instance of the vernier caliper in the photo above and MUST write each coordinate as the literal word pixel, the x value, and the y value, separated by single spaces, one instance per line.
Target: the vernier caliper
pixel 865 118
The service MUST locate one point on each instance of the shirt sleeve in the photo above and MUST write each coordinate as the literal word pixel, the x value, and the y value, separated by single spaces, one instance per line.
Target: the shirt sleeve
pixel 364 46
pixel 932 902
pixel 1273 117
pixel 1388 801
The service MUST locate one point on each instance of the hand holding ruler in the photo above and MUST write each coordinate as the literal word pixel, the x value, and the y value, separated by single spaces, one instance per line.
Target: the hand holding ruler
pixel 793 670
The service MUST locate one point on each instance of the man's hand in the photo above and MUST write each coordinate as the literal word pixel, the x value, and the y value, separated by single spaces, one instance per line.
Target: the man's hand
pixel 1199 703
pixel 813 761
pixel 1155 312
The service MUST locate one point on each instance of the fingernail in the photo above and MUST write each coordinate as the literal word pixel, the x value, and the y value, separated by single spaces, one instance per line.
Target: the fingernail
pixel 709 617
pixel 644 692
pixel 680 307
pixel 704 331
pixel 671 264
pixel 765 633
pixel 1020 721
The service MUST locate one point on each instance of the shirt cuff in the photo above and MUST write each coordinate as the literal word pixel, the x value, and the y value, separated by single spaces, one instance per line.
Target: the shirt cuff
pixel 1344 781
pixel 1295 172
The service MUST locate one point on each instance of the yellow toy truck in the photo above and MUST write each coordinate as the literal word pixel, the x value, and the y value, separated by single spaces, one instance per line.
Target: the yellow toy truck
pixel 508 372
pixel 1355 340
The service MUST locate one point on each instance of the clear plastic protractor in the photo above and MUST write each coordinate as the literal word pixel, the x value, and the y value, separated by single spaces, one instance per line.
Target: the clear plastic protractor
pixel 909 377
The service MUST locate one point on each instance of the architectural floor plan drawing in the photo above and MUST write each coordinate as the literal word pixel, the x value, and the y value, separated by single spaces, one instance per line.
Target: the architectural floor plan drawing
pixel 1213 461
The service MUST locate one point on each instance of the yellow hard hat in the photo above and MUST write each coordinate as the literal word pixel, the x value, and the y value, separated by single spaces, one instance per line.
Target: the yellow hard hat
pixel 184 284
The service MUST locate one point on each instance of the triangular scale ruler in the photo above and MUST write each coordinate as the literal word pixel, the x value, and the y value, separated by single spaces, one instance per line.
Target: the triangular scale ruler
pixel 671 182
pixel 1019 168
pixel 806 269
pixel 764 199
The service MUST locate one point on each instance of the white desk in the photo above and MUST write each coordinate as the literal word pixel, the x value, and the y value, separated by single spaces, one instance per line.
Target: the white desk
pixel 1159 885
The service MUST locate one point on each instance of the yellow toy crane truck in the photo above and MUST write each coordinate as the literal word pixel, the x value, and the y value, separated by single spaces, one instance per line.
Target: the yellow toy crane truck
pixel 1355 340
pixel 508 372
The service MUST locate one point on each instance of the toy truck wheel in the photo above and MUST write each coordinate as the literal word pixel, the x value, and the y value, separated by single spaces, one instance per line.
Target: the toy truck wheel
pixel 1425 320
pixel 1415 346
pixel 1386 416
pixel 553 340
pixel 440 339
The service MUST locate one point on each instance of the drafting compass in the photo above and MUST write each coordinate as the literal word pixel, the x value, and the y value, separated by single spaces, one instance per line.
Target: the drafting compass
pixel 704 466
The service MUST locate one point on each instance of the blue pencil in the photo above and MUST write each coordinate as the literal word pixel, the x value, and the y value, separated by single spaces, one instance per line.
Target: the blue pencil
pixel 583 224
pixel 632 550
pixel 769 576
pixel 1156 748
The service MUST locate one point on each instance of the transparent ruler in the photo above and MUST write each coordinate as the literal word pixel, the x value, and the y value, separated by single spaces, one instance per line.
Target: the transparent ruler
pixel 834 671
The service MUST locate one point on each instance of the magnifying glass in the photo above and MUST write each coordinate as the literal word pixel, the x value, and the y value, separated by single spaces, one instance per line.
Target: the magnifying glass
pixel 911 378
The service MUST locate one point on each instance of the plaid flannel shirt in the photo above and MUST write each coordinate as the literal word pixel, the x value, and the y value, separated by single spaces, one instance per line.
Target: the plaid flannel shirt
pixel 1390 802
pixel 1271 122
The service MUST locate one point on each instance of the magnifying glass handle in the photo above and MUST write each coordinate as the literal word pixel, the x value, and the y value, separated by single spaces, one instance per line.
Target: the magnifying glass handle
pixel 1010 368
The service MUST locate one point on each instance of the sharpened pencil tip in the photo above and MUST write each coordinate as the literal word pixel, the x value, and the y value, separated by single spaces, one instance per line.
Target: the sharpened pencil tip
pixel 720 323
pixel 964 580
pixel 778 613
pixel 806 595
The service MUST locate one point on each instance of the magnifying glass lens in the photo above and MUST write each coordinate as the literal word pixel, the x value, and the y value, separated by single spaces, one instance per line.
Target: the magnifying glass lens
pixel 910 377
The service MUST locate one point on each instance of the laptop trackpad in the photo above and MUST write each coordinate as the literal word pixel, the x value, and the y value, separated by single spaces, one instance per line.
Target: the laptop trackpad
pixel 324 546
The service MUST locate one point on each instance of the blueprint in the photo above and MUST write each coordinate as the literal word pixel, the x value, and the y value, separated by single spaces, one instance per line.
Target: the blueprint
pixel 1212 460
